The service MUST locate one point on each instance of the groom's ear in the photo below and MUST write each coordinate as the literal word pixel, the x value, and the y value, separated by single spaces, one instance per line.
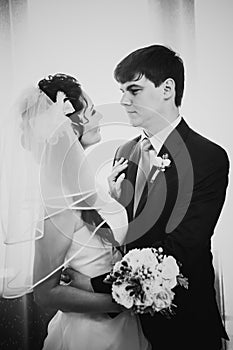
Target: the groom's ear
pixel 168 88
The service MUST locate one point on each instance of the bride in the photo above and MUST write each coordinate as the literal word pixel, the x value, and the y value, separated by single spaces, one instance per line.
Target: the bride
pixel 61 219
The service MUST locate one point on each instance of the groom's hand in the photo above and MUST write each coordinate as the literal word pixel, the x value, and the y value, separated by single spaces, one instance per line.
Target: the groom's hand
pixel 115 180
pixel 77 279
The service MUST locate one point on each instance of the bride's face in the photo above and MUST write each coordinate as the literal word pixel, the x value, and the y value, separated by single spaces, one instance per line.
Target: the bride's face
pixel 90 118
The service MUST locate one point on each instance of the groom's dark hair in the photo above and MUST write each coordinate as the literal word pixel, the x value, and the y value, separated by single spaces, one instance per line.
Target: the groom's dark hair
pixel 157 63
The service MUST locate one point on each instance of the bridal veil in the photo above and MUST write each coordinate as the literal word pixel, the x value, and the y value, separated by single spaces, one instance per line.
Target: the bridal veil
pixel 43 171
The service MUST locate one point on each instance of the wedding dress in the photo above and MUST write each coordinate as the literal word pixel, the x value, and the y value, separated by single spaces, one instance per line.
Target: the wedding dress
pixel 53 175
pixel 90 331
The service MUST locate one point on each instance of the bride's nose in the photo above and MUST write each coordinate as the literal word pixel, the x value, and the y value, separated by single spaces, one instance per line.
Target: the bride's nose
pixel 99 116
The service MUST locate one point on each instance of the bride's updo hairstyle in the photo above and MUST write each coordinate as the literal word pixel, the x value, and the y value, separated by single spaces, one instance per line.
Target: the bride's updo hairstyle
pixel 72 90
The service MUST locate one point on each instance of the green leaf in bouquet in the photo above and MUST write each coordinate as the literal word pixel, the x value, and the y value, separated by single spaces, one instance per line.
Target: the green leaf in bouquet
pixel 168 312
pixel 182 281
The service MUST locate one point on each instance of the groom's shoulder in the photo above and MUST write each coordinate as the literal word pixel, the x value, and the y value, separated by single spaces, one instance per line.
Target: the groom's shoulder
pixel 205 148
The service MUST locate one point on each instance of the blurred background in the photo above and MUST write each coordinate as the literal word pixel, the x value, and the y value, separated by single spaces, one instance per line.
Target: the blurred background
pixel 87 38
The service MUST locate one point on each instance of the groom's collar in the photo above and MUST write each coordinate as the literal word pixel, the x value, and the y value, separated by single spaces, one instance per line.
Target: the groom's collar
pixel 159 139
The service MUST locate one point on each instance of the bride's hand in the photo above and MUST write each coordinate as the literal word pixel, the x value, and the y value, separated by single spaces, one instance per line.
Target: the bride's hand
pixel 77 279
pixel 115 181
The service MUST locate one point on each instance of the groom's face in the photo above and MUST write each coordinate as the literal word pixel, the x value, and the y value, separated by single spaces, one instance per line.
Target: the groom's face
pixel 143 103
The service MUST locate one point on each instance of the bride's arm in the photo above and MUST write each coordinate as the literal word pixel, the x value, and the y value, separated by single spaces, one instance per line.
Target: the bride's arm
pixel 49 254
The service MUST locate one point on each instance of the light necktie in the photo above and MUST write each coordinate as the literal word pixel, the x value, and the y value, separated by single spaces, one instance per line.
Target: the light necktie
pixel 143 171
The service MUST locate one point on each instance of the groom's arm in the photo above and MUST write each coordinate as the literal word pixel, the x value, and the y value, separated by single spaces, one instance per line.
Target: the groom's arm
pixel 191 237
pixel 99 286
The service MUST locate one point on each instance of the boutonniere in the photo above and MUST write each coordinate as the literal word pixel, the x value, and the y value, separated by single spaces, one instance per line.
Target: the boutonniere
pixel 160 163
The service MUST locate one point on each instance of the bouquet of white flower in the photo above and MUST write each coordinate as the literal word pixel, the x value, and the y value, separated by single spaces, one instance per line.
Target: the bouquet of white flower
pixel 143 281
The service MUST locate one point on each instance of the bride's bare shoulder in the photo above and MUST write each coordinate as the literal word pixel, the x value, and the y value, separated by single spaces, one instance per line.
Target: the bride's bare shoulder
pixel 64 222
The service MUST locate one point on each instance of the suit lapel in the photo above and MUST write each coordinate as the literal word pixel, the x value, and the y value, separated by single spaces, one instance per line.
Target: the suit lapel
pixel 127 192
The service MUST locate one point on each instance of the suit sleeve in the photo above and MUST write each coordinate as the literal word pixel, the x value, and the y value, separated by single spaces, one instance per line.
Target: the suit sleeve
pixel 193 234
pixel 99 286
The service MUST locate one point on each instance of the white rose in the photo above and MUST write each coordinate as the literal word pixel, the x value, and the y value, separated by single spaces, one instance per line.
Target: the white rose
pixel 170 269
pixel 121 295
pixel 151 287
pixel 133 253
pixel 148 300
pixel 163 299
pixel 148 258
pixel 133 257
pixel 169 283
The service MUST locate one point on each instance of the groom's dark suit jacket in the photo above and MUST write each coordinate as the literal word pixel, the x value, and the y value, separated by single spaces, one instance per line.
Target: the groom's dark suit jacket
pixel 178 211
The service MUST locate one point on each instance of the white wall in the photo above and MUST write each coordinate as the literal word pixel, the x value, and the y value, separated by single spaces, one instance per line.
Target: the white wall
pixel 85 38
pixel 214 28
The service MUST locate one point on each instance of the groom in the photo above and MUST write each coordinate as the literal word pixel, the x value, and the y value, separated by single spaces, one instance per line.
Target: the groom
pixel 175 205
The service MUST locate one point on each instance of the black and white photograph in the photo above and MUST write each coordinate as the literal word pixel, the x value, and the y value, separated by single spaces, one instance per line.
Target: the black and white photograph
pixel 115 175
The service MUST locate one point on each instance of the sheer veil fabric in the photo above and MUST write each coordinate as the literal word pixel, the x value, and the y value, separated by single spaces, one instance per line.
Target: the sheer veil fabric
pixel 43 172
